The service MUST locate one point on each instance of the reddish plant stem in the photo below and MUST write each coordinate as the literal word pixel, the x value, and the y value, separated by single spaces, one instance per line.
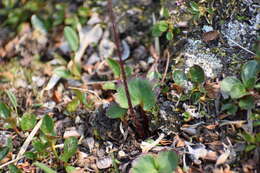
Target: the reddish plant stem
pixel 121 62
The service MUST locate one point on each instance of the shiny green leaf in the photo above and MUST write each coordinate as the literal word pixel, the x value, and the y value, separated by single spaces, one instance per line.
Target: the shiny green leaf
pixel 70 148
pixel 28 121
pixel 196 74
pixel 72 38
pixel 115 66
pixel 47 126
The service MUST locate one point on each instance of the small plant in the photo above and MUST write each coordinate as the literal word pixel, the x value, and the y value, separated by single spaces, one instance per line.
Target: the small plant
pixel 199 10
pixel 242 92
pixel 163 162
pixel 253 140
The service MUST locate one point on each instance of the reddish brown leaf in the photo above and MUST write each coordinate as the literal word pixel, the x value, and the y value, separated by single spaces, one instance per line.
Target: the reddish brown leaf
pixel 210 36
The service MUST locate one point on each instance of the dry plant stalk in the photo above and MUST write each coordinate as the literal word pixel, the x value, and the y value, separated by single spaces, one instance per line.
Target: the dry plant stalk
pixel 137 123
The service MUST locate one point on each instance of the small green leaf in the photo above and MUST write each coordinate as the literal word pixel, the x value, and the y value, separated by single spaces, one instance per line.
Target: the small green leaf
pixel 12 99
pixel 3 152
pixel 247 102
pixel 144 164
pixel 72 37
pixel 73 105
pixel 44 167
pixel 39 146
pixel 163 26
pixel 249 73
pixel 47 125
pixel 30 155
pixel 13 169
pixel 28 121
pixel 165 12
pixel 167 161
pixel 250 147
pixel 179 77
pixel 169 35
pixel 70 169
pixel 115 111
pixel 70 148
pixel 62 72
pixel 237 91
pixel 115 67
pixel 156 31
pixel 195 96
pixel 38 24
pixel 227 84
pixel 230 108
pixel 4 111
pixel 109 86
pixel 194 6
pixel 147 95
pixel 196 74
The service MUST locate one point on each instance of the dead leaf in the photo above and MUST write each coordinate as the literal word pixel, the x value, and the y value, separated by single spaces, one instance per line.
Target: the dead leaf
pixel 213 89
pixel 210 36
pixel 223 158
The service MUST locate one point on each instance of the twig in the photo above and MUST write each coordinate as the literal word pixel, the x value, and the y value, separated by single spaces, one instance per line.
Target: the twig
pixel 10 162
pixel 249 51
pixel 167 66
pixel 121 62
pixel 29 139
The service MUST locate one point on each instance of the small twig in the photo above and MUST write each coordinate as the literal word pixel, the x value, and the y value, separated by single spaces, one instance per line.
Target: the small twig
pixel 121 62
pixel 167 66
pixel 99 82
pixel 249 51
pixel 10 162
pixel 87 91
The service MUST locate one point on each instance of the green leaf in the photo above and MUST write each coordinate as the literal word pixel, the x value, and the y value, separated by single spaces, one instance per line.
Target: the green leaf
pixel 70 148
pixel 156 31
pixel 145 164
pixel 165 12
pixel 169 35
pixel 163 26
pixel 73 105
pixel 249 73
pixel 12 99
pixel 3 152
pixel 167 161
pixel 38 24
pixel 257 86
pixel 4 111
pixel 195 96
pixel 70 169
pixel 115 67
pixel 196 74
pixel 248 137
pixel 47 125
pixel 62 72
pixel 44 167
pixel 237 91
pixel 39 146
pixel 81 96
pixel 115 111
pixel 194 6
pixel 230 108
pixel 141 93
pixel 13 169
pixel 227 84
pixel 247 102
pixel 72 37
pixel 28 121
pixel 179 77
pixel 109 86
pixel 250 148
pixel 153 75
pixel 30 155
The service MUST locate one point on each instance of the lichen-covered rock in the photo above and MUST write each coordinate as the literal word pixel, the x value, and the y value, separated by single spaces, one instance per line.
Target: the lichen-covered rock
pixel 196 53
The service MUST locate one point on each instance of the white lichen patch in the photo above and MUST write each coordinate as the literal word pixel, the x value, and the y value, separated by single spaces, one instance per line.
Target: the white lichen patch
pixel 197 54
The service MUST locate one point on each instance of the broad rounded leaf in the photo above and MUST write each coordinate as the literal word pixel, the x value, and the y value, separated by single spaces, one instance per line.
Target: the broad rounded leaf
pixel 156 31
pixel 147 95
pixel 28 121
pixel 249 73
pixel 228 83
pixel 115 111
pixel 144 164
pixel 4 111
pixel 163 26
pixel 47 126
pixel 167 161
pixel 70 148
pixel 237 91
pixel 72 37
pixel 231 109
pixel 179 77
pixel 169 35
pixel 246 102
pixel 196 74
